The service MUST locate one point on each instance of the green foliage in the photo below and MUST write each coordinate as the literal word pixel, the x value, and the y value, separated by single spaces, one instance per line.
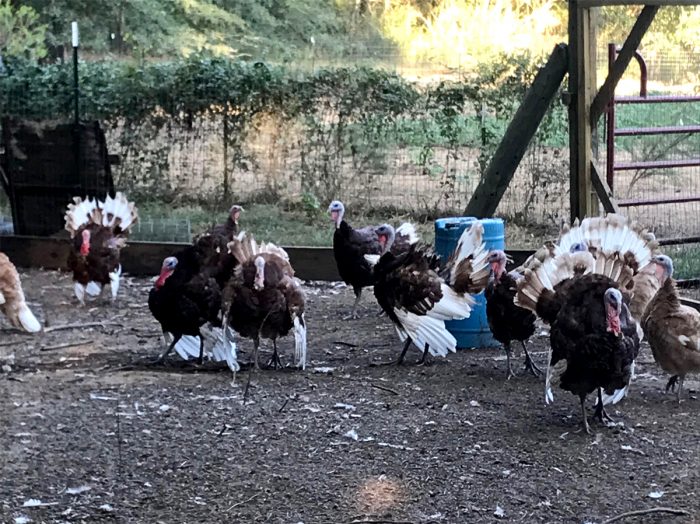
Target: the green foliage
pixel 21 33
pixel 337 116
pixel 260 28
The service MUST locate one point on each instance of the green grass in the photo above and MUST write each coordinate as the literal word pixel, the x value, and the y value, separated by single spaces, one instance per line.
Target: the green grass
pixel 686 260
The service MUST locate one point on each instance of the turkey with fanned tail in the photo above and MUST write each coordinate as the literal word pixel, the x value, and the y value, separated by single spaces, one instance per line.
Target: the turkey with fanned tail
pixel 98 231
pixel 418 296
pixel 263 299
pixel 582 287
pixel 350 245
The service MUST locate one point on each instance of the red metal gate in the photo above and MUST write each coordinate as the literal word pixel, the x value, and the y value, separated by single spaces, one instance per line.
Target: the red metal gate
pixel 612 131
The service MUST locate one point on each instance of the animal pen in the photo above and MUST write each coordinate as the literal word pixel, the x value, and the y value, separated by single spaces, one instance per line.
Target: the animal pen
pixel 439 155
pixel 93 432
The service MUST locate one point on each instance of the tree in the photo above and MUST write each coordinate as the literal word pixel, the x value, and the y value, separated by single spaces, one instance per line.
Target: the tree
pixel 21 33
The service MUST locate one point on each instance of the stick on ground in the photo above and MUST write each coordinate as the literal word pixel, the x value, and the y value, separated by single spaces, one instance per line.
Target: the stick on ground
pixel 639 512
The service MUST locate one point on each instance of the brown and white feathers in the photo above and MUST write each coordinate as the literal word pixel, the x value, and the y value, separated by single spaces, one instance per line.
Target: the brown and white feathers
pixel 12 301
pixel 467 270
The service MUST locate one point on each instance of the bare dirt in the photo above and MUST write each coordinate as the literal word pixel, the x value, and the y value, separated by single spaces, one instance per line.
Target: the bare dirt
pixel 90 433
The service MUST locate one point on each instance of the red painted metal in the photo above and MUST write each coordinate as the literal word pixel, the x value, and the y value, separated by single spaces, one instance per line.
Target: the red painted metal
pixel 656 201
pixel 645 131
pixel 612 132
pixel 661 99
pixel 658 164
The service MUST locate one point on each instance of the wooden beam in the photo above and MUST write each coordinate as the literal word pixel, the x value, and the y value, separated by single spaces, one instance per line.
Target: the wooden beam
pixel 582 69
pixel 603 3
pixel 521 129
pixel 603 191
pixel 145 258
pixel 601 100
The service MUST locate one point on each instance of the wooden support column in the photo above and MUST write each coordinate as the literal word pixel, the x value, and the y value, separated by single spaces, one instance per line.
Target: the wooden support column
pixel 521 129
pixel 582 84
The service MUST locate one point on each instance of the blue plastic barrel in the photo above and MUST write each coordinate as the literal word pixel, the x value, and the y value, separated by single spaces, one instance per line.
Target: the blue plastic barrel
pixel 472 332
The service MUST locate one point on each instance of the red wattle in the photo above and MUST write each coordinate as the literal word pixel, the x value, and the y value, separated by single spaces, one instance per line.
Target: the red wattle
pixel 163 277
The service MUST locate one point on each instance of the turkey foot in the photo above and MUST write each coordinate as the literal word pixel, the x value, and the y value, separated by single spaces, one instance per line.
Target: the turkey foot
pixel 426 360
pixel 353 315
pixel 530 363
pixel 401 356
pixel 601 414
pixel 671 384
pixel 274 361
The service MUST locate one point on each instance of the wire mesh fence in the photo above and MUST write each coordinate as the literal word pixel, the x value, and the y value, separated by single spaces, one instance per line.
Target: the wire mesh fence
pixel 423 157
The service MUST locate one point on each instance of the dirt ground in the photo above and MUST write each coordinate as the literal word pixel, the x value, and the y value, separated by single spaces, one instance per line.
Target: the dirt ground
pixel 90 433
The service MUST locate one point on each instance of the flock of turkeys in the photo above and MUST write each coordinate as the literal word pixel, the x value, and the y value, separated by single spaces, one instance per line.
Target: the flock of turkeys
pixel 601 289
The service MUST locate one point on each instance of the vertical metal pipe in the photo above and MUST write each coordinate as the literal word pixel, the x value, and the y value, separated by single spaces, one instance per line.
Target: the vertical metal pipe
pixel 610 125
pixel 76 108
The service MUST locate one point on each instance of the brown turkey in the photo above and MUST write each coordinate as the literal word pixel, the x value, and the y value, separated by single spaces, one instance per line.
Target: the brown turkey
pixel 579 292
pixel 672 329
pixel 263 299
pixel 418 296
pixel 351 245
pixel 12 302
pixel 98 231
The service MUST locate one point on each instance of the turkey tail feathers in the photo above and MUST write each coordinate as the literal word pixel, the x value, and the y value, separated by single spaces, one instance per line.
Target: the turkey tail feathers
pixel 425 330
pixel 468 267
pixel 218 347
pixel 118 212
pixel 548 273
pixel 113 212
pixel 80 213
pixel 299 340
pixel 244 247
pixel 27 319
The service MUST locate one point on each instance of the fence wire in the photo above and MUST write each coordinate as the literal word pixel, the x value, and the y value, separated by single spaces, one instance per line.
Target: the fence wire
pixel 421 163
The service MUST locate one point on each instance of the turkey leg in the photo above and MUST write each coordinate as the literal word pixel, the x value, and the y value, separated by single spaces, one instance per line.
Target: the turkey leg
pixel 600 412
pixel 509 374
pixel 403 353
pixel 358 297
pixel 425 361
pixel 161 359
pixel 529 363
pixel 586 427
pixel 275 361
pixel 200 359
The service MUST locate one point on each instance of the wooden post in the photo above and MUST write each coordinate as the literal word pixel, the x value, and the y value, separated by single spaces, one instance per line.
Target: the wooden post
pixel 581 89
pixel 521 129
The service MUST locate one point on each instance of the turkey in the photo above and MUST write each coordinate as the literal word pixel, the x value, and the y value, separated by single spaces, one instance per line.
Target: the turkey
pixel 507 321
pixel 185 299
pixel 396 240
pixel 418 296
pixel 672 329
pixel 594 338
pixel 263 299
pixel 98 231
pixel 228 229
pixel 12 302
pixel 350 245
